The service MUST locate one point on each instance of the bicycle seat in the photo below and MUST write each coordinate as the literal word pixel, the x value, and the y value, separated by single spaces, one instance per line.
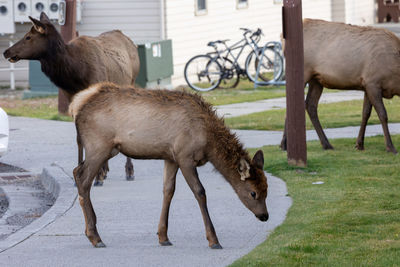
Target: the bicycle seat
pixel 217 42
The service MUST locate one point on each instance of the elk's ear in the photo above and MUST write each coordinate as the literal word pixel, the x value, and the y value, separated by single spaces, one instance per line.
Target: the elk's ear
pixel 39 27
pixel 44 18
pixel 244 169
pixel 258 160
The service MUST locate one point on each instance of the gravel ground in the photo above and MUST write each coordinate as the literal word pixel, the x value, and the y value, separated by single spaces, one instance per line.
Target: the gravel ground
pixel 28 201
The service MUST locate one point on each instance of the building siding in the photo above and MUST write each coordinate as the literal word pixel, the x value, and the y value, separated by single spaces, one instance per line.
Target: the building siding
pixel 138 19
pixel 151 20
pixel 190 33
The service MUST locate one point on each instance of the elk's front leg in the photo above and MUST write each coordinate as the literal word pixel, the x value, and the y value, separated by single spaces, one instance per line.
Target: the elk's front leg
pixel 366 113
pixel 192 178
pixel 101 175
pixel 313 96
pixel 170 170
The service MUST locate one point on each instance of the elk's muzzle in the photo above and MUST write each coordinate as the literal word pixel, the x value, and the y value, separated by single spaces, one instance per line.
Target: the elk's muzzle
pixel 12 58
pixel 263 217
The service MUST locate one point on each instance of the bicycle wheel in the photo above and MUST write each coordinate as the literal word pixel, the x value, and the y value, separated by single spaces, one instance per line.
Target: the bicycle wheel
pixel 270 67
pixel 230 78
pixel 203 73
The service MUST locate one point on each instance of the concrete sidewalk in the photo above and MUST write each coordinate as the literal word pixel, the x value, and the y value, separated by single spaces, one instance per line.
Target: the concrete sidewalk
pixel 245 108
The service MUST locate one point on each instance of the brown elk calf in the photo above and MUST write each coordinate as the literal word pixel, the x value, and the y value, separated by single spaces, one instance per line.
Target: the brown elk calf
pixel 347 57
pixel 179 128
pixel 85 60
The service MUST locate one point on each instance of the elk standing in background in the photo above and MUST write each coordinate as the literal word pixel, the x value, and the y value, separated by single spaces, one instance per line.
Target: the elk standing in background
pixel 179 128
pixel 85 60
pixel 347 57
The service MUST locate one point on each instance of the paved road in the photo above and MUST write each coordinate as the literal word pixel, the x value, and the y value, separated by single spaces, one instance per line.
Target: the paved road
pixel 128 212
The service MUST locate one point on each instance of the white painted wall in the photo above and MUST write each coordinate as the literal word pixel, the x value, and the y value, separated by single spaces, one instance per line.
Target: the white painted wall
pixel 360 12
pixel 142 20
pixel 191 33
pixel 21 77
pixel 139 19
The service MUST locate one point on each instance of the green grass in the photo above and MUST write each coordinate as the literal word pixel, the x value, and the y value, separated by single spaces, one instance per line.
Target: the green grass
pixel 42 108
pixel 244 92
pixel 353 219
pixel 332 115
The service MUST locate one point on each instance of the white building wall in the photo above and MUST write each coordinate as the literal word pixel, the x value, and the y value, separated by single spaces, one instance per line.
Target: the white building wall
pixel 191 33
pixel 360 12
pixel 138 19
pixel 21 77
pixel 142 20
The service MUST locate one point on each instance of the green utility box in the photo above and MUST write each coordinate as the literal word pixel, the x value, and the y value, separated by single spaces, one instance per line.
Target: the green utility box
pixel 39 83
pixel 156 67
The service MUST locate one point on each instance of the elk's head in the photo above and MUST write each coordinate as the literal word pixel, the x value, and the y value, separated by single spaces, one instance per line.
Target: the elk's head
pixel 252 187
pixel 35 43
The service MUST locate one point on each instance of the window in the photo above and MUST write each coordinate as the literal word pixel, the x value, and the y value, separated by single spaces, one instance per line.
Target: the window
pixel 201 7
pixel 242 4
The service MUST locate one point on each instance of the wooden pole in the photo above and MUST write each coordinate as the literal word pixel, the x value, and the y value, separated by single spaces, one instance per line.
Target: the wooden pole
pixel 295 106
pixel 68 32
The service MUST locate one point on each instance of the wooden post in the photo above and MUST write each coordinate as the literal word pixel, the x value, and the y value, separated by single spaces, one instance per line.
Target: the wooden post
pixel 295 106
pixel 68 32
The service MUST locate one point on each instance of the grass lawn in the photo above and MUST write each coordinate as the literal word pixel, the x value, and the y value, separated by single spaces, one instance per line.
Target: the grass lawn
pixel 42 108
pixel 331 115
pixel 46 108
pixel 244 92
pixel 353 219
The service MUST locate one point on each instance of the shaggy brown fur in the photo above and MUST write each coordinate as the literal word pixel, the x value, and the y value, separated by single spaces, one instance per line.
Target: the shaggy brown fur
pixel 180 128
pixel 348 57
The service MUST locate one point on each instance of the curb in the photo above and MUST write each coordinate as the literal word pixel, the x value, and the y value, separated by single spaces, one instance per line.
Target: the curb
pixel 61 186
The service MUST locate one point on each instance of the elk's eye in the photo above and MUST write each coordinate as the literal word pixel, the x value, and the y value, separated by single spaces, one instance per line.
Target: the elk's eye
pixel 28 38
pixel 253 194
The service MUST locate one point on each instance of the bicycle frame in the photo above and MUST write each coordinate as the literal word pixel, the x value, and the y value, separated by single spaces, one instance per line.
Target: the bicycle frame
pixel 247 41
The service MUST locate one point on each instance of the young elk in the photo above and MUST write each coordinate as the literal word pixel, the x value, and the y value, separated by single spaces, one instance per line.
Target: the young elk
pixel 85 60
pixel 179 128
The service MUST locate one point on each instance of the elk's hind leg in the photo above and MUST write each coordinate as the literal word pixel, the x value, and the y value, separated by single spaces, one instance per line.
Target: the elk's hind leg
pixel 170 170
pixel 84 175
pixel 129 170
pixel 375 97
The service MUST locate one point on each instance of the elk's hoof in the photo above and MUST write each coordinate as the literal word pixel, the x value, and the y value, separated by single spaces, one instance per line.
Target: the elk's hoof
pixel 100 245
pixel 359 147
pixel 166 243
pixel 216 246
pixel 98 183
pixel 326 147
pixel 393 150
pixel 130 177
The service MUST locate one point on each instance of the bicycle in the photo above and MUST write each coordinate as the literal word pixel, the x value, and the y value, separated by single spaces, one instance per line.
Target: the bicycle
pixel 216 69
